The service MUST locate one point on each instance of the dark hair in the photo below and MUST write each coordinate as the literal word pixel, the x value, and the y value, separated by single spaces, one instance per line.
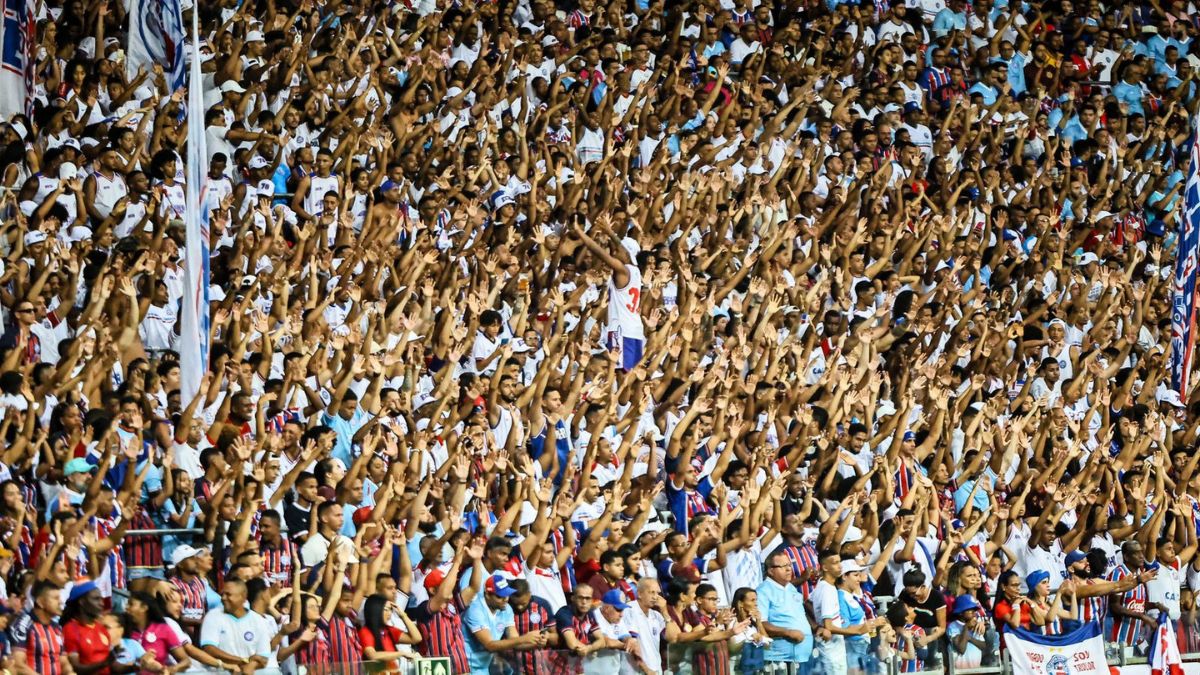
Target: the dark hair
pixel 1004 579
pixel 897 613
pixel 325 507
pixel 913 578
pixel 740 595
pixel 373 619
pixel 154 607
pixel 676 588
pixel 519 587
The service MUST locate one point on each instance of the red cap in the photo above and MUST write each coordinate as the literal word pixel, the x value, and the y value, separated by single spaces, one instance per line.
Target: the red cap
pixel 434 579
pixel 361 515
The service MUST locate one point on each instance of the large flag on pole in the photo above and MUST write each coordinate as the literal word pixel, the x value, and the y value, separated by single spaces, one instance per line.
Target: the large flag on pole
pixel 194 335
pixel 1080 651
pixel 156 36
pixel 1183 300
pixel 1164 650
pixel 16 58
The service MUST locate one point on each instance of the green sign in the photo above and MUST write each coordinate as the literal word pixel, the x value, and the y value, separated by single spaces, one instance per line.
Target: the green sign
pixel 435 666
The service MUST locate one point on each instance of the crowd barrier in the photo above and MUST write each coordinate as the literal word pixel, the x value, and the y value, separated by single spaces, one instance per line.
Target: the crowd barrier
pixel 1121 660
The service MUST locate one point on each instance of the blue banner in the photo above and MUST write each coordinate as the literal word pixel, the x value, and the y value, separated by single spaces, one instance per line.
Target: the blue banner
pixel 1183 299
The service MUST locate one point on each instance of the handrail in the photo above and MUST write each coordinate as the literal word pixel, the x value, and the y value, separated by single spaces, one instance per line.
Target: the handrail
pixel 166 531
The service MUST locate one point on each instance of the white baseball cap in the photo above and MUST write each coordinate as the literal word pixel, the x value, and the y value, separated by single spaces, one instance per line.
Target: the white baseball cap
pixel 183 552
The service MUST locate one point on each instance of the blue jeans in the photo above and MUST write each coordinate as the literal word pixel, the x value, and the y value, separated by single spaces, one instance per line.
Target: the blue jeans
pixel 859 658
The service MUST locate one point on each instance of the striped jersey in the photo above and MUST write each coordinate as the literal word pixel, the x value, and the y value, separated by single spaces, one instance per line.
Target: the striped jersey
pixel 1127 630
pixel 194 597
pixel 803 558
pixel 279 561
pixel 1091 609
pixel 316 655
pixel 442 633
pixel 42 642
pixel 536 617
pixel 915 664
pixel 145 550
pixel 343 641
pixel 116 555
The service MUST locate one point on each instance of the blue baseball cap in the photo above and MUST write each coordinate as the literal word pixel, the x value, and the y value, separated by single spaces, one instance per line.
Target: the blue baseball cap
pixel 497 585
pixel 613 598
pixel 1074 557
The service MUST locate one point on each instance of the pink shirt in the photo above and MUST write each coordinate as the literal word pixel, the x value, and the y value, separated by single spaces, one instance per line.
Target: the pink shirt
pixel 158 639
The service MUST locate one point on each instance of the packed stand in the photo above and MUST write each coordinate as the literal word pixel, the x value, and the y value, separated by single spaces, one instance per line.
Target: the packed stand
pixel 600 338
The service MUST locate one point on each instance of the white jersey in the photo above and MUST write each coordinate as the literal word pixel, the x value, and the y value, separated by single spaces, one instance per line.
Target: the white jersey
pixel 1164 588
pixel 317 187
pixel 624 305
pixel 109 191
pixel 174 201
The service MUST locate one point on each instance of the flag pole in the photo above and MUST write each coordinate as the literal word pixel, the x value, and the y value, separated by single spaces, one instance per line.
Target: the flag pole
pixel 194 333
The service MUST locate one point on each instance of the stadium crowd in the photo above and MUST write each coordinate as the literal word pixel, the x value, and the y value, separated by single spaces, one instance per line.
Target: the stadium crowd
pixel 568 337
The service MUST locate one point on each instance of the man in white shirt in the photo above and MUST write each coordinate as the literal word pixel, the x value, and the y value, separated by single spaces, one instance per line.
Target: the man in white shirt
pixel 1162 592
pixel 234 634
pixel 921 554
pixel 610 618
pixel 831 641
pixel 645 620
pixel 1042 552
pixel 330 517
pixel 895 27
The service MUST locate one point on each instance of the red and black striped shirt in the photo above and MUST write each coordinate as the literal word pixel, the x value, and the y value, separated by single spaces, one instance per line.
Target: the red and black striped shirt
pixel 278 561
pixel 711 658
pixel 42 642
pixel 536 617
pixel 143 550
pixel 194 596
pixel 442 634
pixel 345 645
pixel 316 656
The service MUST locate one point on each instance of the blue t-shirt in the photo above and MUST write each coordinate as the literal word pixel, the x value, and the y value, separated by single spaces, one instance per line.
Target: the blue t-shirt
pixel 852 614
pixel 481 617
pixel 684 503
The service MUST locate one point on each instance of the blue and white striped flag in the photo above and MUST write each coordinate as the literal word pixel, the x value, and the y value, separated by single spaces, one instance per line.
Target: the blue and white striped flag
pixel 156 37
pixel 194 335
pixel 1183 300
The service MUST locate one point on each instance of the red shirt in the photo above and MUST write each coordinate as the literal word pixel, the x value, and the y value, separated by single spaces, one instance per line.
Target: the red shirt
pixel 390 636
pixel 90 642
pixel 1004 609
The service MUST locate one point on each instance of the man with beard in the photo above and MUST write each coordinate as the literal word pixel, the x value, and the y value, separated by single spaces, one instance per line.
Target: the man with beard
pixel 1091 591
pixel 504 415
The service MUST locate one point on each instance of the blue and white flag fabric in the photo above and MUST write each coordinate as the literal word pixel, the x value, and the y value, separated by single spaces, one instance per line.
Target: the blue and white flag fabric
pixel 156 35
pixel 16 58
pixel 1164 654
pixel 1080 651
pixel 193 338
pixel 1183 298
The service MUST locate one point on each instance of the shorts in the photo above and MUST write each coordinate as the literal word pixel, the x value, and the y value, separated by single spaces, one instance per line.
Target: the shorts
pixel 859 657
pixel 629 350
pixel 830 658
